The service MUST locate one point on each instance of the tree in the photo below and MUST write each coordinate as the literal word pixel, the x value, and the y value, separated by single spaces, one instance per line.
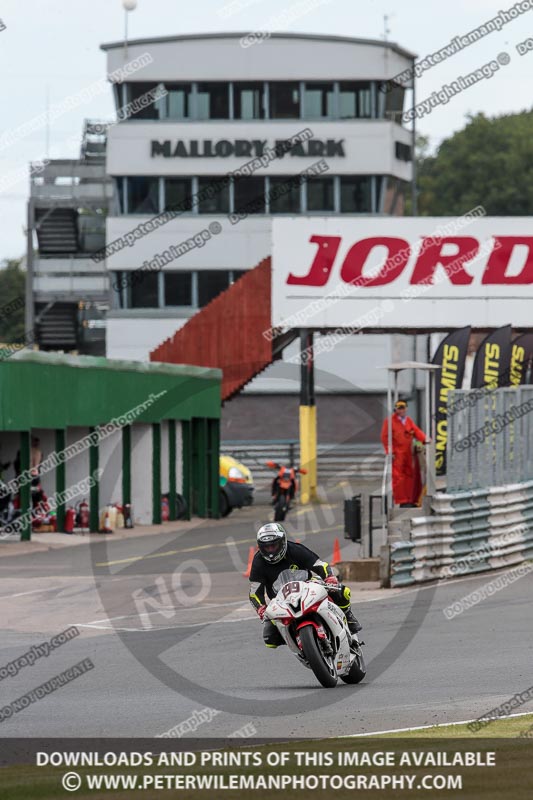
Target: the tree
pixel 488 163
pixel 12 290
pixel 421 155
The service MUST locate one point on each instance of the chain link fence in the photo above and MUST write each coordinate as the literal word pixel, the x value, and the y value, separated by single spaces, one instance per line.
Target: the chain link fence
pixel 490 437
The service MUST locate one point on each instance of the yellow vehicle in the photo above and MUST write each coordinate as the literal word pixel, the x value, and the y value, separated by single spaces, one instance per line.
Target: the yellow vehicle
pixel 236 485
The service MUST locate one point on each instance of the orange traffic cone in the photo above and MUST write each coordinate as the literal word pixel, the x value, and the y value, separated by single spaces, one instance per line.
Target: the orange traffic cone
pixel 336 553
pixel 251 554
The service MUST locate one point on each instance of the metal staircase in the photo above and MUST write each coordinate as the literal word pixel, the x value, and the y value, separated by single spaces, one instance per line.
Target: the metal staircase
pixel 67 208
pixel 56 326
pixel 57 231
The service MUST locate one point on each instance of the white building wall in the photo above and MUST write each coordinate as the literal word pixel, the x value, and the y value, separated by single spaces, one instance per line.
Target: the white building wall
pixel 281 57
pixel 132 339
pixel 353 365
pixel 179 458
pixel 77 467
pixel 164 458
pixel 240 246
pixel 69 284
pixel 369 146
pixel 110 461
pixel 141 473
pixel 349 366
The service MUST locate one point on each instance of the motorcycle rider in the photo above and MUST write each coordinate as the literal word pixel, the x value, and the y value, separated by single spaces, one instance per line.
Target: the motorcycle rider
pixel 275 554
pixel 286 474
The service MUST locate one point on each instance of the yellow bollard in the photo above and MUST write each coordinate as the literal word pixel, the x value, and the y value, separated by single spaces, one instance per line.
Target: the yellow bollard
pixel 308 482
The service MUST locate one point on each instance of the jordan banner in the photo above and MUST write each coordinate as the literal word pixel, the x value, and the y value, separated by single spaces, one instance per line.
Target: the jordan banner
pixel 492 366
pixel 522 360
pixel 450 356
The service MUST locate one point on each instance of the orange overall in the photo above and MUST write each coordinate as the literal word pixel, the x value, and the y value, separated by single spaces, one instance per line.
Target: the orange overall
pixel 403 467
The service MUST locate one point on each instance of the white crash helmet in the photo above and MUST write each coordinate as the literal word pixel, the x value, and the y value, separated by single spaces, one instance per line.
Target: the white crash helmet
pixel 272 542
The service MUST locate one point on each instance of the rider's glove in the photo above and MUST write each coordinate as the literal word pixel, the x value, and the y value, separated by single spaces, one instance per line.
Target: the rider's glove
pixel 261 611
pixel 332 581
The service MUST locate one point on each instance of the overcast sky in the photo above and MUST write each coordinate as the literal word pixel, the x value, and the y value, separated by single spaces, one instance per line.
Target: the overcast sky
pixel 53 46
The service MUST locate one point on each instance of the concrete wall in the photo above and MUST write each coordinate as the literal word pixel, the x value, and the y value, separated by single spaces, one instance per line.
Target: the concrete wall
pixel 141 473
pixel 343 419
pixel 77 467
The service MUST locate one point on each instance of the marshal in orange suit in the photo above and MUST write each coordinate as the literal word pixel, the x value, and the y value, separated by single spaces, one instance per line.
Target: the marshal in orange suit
pixel 403 461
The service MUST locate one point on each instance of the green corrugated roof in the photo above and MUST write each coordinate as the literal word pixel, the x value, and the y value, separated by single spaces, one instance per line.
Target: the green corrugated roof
pixel 162 368
pixel 54 390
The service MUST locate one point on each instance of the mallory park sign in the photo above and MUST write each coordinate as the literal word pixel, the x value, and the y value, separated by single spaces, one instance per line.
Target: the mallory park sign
pixel 246 148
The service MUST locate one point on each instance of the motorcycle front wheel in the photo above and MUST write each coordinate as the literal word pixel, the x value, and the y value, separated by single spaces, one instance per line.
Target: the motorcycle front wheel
pixel 324 672
pixel 280 508
pixel 357 670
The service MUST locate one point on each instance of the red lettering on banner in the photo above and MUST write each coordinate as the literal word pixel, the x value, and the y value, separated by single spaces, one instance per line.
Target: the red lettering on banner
pixel 499 261
pixel 322 265
pixel 352 268
pixel 431 257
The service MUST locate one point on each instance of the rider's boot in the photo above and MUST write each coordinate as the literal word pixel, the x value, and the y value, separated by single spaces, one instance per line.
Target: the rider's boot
pixel 353 623
pixel 271 636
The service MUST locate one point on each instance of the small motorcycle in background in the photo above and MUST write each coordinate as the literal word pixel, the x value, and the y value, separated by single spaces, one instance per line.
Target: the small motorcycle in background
pixel 284 488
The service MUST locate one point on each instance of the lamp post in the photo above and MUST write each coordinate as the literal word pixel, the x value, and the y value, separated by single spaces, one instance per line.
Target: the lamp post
pixel 129 5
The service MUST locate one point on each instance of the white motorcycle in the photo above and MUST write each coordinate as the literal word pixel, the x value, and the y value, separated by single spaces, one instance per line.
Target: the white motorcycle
pixel 315 629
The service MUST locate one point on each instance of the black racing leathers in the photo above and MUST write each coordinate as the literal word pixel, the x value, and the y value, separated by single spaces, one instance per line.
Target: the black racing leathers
pixel 263 575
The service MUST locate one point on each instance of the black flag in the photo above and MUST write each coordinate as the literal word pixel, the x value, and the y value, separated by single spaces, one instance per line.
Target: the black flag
pixel 492 366
pixel 450 356
pixel 522 359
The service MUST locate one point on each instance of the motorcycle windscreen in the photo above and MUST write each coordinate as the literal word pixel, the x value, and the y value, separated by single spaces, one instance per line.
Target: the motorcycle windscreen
pixel 289 575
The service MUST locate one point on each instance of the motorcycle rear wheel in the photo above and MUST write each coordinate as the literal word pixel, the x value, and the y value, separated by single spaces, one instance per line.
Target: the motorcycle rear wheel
pixel 324 673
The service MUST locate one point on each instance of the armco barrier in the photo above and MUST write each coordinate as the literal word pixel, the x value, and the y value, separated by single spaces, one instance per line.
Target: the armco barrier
pixel 335 461
pixel 468 532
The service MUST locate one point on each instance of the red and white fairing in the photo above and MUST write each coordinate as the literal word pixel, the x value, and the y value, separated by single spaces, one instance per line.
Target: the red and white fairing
pixel 307 602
